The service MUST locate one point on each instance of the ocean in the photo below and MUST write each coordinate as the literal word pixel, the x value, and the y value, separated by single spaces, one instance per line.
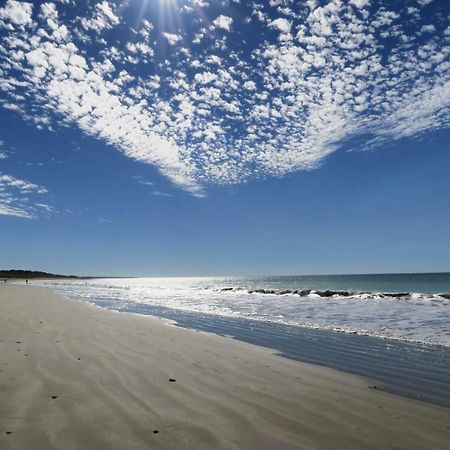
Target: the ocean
pixel 394 329
pixel 410 307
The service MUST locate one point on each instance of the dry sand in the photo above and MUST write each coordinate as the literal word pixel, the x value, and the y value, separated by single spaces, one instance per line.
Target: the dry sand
pixel 73 376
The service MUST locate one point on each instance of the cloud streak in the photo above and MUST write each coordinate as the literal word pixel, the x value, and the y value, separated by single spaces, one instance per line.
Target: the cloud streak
pixel 16 197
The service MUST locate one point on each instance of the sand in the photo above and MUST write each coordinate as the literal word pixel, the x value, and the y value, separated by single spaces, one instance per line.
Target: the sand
pixel 73 376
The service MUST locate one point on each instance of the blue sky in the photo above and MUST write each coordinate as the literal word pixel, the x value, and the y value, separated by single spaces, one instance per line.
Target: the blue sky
pixel 198 137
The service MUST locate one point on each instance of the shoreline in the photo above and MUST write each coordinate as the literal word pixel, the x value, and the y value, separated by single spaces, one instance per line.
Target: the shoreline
pixel 226 394
pixel 413 369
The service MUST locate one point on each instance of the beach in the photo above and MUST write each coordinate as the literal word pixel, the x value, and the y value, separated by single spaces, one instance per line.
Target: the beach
pixel 75 376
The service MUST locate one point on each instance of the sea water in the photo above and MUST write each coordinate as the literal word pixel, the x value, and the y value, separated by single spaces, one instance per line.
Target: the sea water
pixel 409 307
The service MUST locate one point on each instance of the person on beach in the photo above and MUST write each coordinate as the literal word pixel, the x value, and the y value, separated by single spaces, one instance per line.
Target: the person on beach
pixel 26 281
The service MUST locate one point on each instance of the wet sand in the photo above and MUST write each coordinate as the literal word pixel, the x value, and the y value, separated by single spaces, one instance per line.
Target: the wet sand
pixel 73 376
pixel 410 369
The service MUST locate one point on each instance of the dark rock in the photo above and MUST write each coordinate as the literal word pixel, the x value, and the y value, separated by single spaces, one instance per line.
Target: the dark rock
pixel 446 296
pixel 326 293
pixel 227 289
pixel 262 291
pixel 54 396
pixel 172 380
pixel 304 292
pixel 155 431
pixel 344 293
pixel 396 294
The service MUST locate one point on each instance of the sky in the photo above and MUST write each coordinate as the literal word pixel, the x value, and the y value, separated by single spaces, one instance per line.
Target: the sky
pixel 204 137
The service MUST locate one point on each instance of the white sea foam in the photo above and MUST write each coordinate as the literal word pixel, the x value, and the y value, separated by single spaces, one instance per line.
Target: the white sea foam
pixel 416 316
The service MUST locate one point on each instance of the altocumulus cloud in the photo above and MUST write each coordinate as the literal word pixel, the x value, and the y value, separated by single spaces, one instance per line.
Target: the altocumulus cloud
pixel 243 90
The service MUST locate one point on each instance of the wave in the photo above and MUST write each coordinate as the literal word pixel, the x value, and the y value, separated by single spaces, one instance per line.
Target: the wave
pixel 331 293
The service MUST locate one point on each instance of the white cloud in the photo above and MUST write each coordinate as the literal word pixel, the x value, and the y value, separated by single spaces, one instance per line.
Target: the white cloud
pixel 250 85
pixel 12 211
pixel 18 13
pixel 205 77
pixel 223 22
pixel 172 38
pixel 49 11
pixel 147 27
pixel 10 106
pixel 200 3
pixel 428 29
pixel 104 18
pixel 37 57
pixel 359 3
pixel 161 194
pixel 140 47
pixel 45 207
pixel 282 25
pixel 23 186
pixel 142 180
pixel 105 9
pixel 15 196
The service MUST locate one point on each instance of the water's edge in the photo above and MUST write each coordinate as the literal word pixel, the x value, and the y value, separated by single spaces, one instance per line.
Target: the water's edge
pixel 394 307
pixel 413 370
